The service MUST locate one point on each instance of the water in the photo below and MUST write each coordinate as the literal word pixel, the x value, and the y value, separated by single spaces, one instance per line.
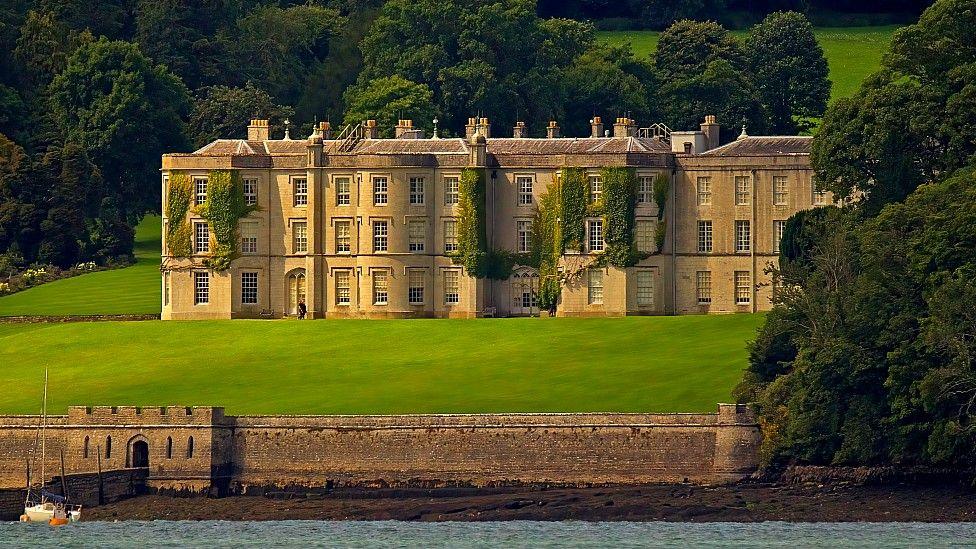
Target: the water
pixel 489 534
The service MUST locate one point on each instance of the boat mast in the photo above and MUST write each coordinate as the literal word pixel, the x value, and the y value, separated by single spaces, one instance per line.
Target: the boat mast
pixel 44 434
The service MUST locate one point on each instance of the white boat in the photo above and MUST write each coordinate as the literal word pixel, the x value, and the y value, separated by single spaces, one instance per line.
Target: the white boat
pixel 44 507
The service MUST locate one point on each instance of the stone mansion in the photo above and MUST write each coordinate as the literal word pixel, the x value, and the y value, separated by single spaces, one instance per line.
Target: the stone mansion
pixel 353 225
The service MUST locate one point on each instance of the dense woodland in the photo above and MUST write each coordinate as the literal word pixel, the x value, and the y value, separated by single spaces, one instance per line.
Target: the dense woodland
pixel 868 356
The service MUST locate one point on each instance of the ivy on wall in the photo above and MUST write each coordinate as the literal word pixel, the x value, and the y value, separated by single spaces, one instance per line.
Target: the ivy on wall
pixel 662 184
pixel 472 235
pixel 177 206
pixel 619 207
pixel 223 210
pixel 573 198
pixel 547 247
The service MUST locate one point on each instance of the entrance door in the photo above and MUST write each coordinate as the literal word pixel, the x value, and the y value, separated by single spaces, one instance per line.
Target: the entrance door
pixel 525 292
pixel 140 454
pixel 296 292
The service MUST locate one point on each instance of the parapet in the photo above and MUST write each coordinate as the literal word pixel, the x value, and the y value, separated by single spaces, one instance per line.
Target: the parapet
pixel 145 415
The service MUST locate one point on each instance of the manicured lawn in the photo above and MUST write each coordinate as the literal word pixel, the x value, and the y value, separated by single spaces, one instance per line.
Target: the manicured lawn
pixel 852 52
pixel 132 290
pixel 631 364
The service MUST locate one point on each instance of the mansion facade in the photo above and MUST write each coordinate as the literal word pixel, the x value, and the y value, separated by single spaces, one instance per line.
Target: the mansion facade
pixel 357 226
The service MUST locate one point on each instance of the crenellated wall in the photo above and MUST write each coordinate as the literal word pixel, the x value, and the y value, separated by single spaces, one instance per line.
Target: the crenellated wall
pixel 245 452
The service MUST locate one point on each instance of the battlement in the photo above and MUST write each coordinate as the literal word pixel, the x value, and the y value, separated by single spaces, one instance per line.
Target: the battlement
pixel 145 415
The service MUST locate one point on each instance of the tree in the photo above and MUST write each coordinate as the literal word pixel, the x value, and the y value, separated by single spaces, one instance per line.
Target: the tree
pixel 222 111
pixel 790 71
pixel 126 112
pixel 387 100
pixel 686 48
pixel 44 46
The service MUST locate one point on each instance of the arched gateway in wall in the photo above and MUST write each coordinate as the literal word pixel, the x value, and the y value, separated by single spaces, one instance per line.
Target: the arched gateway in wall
pixel 137 454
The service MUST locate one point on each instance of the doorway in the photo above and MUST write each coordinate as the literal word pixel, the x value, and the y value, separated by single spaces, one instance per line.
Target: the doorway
pixel 140 454
pixel 296 291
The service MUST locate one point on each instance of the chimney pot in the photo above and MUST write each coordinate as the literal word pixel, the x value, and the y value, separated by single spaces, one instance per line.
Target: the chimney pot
pixel 712 132
pixel 258 130
pixel 552 131
pixel 596 127
pixel 519 131
pixel 371 130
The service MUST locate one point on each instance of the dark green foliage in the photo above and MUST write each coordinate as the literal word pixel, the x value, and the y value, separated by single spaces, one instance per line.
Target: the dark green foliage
pixel 387 100
pixel 178 200
pixel 223 210
pixel 547 244
pixel 127 112
pixel 472 235
pixel 790 71
pixel 686 48
pixel 222 112
pixel 573 198
pixel 619 204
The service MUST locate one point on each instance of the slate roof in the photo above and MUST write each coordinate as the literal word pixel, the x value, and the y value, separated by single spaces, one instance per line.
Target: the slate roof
pixel 764 146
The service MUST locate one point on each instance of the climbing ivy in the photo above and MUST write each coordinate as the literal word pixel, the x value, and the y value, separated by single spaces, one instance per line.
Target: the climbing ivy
pixel 177 206
pixel 619 205
pixel 223 210
pixel 547 247
pixel 661 187
pixel 573 198
pixel 472 236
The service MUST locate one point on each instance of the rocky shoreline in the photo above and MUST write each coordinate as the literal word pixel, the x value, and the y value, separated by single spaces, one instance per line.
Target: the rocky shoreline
pixel 749 501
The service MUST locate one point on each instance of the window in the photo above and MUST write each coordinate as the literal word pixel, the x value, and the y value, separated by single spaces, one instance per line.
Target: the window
pixel 742 190
pixel 780 191
pixel 703 287
pixel 380 196
pixel 645 288
pixel 299 187
pixel 644 235
pixel 704 237
pixel 299 237
pixel 524 230
pixel 380 236
pixel 743 238
pixel 342 287
pixel 249 237
pixel 166 285
pixel 415 287
pixel 200 189
pixel 416 191
pixel 169 447
pixel 451 190
pixel 343 194
pixel 452 279
pixel 249 288
pixel 342 237
pixel 524 183
pixel 819 196
pixel 596 235
pixel 417 232
pixel 85 454
pixel 704 191
pixel 450 236
pixel 202 241
pixel 596 188
pixel 201 288
pixel 108 447
pixel 594 286
pixel 381 287
pixel 778 227
pixel 250 191
pixel 743 288
pixel 645 189
pixel 189 447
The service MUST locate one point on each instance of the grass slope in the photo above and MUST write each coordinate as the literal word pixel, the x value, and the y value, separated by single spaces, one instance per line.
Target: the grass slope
pixel 131 290
pixel 852 53
pixel 631 364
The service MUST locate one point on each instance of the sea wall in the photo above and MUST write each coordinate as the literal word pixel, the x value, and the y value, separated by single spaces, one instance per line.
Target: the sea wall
pixel 199 449
pixel 86 489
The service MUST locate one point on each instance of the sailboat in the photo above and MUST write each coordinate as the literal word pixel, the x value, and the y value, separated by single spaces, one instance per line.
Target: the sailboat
pixel 43 506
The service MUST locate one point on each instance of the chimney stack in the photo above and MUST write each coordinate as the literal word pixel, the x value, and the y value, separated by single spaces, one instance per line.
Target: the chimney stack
pixel 552 131
pixel 258 130
pixel 596 127
pixel 470 128
pixel 624 127
pixel 519 132
pixel 371 130
pixel 404 129
pixel 711 129
pixel 325 130
pixel 484 128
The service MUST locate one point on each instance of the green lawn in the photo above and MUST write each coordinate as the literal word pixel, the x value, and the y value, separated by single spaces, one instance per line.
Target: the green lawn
pixel 852 52
pixel 630 364
pixel 132 290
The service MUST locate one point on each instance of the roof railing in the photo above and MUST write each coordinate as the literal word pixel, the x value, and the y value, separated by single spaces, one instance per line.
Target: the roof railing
pixel 659 130
pixel 347 138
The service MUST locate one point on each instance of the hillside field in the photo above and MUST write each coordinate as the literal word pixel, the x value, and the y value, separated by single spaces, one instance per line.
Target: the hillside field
pixel 852 52
pixel 129 290
pixel 634 364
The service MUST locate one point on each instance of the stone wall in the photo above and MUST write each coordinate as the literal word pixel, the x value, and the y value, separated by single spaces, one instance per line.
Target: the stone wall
pixel 86 489
pixel 241 453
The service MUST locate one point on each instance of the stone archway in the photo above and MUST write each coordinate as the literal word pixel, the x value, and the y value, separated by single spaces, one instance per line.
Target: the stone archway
pixel 138 453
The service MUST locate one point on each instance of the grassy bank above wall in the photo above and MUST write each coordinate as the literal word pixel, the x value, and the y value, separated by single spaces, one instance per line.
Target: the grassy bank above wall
pixel 852 52
pixel 636 364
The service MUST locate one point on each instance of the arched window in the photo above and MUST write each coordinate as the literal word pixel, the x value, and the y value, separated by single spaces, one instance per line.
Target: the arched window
pixel 296 291
pixel 108 447
pixel 169 447
pixel 189 448
pixel 85 451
